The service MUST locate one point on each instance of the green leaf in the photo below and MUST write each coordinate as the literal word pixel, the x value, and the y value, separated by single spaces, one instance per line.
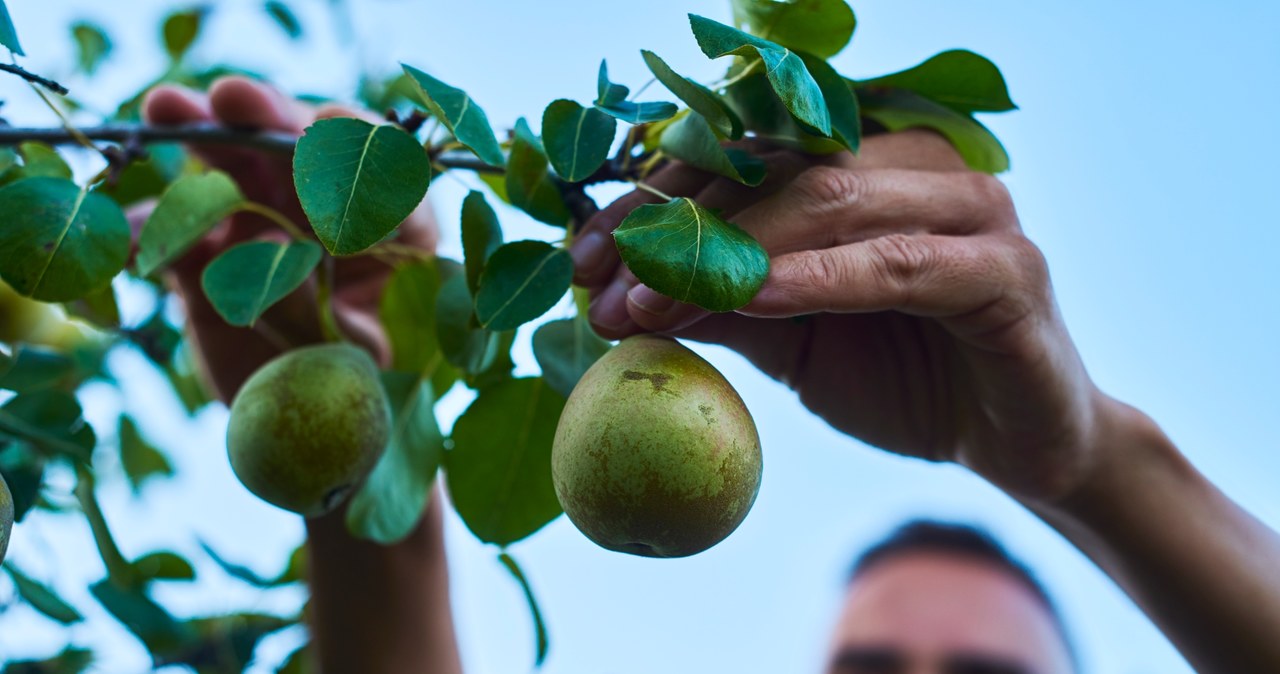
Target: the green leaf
pixel 32 368
pixel 8 35
pixel 163 565
pixel 247 575
pixel 577 138
pixel 692 140
pixel 189 209
pixel 846 120
pixel 224 643
pixel 408 314
pixel 460 114
pixel 529 184
pixel 139 458
pixel 898 109
pixel 565 349
pixel 753 98
pixel 23 468
pixel 501 368
pixel 687 252
pixel 391 502
pixel 71 660
pixel 180 31
pixel 43 598
pixel 465 345
pixel 786 72
pixel 92 45
pixel 521 282
pixel 41 161
pixel 285 18
pixel 481 235
pixel 158 630
pixel 247 279
pixel 147 178
pixel 51 420
pixel 539 626
pixel 958 79
pixel 298 662
pixel 499 470
pixel 60 242
pixel 700 99
pixel 612 100
pixel 357 182
pixel 821 27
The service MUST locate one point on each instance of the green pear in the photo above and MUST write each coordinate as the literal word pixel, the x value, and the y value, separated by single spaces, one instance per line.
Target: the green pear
pixel 655 453
pixel 6 516
pixel 307 427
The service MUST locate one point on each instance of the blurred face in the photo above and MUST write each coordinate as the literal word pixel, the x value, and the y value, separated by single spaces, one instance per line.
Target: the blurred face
pixel 933 613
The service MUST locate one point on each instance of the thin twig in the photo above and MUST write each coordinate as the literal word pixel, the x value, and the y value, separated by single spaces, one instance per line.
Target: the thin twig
pixel 34 78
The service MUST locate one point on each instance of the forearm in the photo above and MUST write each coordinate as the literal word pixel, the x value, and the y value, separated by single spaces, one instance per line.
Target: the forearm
pixel 1204 570
pixel 381 609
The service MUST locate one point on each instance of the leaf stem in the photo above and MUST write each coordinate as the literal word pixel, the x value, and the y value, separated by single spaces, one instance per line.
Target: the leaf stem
pixel 118 568
pixel 324 301
pixel 276 217
pixel 746 72
pixel 641 185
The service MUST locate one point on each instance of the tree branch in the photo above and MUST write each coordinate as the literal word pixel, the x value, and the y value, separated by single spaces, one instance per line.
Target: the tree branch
pixel 34 78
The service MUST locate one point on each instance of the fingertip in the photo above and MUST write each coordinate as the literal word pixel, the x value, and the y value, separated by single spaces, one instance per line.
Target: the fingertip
pixel 241 102
pixel 170 105
pixel 337 110
pixel 657 312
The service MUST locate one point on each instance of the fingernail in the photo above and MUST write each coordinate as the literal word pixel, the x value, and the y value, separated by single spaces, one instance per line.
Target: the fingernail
pixel 588 253
pixel 649 301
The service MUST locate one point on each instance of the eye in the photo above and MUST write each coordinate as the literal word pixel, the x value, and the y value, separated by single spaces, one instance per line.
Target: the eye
pixel 869 661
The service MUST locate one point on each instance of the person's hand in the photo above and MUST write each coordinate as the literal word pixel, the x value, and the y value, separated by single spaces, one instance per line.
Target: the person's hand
pixel 231 354
pixel 904 306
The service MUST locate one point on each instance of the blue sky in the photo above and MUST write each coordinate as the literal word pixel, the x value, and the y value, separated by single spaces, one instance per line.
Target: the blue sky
pixel 1143 164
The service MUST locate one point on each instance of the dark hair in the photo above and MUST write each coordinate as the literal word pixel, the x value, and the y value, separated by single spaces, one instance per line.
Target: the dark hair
pixel 960 540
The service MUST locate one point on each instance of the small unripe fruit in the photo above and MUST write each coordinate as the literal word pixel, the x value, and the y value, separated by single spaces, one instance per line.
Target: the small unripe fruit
pixel 307 427
pixel 6 516
pixel 655 453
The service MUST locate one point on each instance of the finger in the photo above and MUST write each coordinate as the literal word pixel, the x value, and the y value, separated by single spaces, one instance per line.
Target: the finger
pixel 608 311
pixel 168 105
pixel 773 346
pixel 244 103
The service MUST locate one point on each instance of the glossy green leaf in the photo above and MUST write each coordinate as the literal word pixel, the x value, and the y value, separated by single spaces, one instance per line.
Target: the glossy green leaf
pixel 565 349
pixel 408 314
pixel 499 470
pixel 460 114
pixel 147 620
pixel 465 345
pixel 898 109
pixel 612 100
pixel 692 140
pixel 391 501
pixel 481 236
pixel 42 598
pixel 51 420
pixel 501 368
pixel 958 79
pixel 38 161
pixel 687 252
pixel 784 68
pixel 59 242
pixel 163 565
pixel 247 279
pixel 357 182
pixel 181 29
pixel 846 119
pixel 139 458
pixel 529 185
pixel 147 178
pixel 92 45
pixel 762 111
pixel 33 368
pixel 9 35
pixel 521 282
pixel 285 18
pixel 699 98
pixel 539 625
pixel 188 210
pixel 609 93
pixel 821 27
pixel 577 139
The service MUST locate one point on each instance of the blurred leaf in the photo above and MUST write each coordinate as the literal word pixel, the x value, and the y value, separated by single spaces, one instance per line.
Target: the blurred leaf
pixel 224 643
pixel 958 79
pixel 521 282
pixel 243 573
pixel 612 100
pixel 247 279
pixel 92 45
pixel 39 161
pixel 699 98
pixel 358 182
pixel 565 349
pixel 408 314
pixel 189 209
pixel 460 114
pixel 59 242
pixel 502 365
pixel 163 565
pixel 146 178
pixel 181 29
pixel 846 120
pixel 539 626
pixel 689 253
pixel 42 598
pixel 391 502
pixel 71 660
pixel 692 140
pixel 23 469
pixel 529 185
pixel 465 345
pixel 295 571
pixel 139 458
pixel 51 420
pixel 34 368
pixel 99 308
pixel 147 620
pixel 821 27
pixel 499 470
pixel 300 661
pixel 180 370
pixel 481 236
pixel 786 72
pixel 577 139
pixel 285 18
pixel 8 35
pixel 386 93
pixel 898 109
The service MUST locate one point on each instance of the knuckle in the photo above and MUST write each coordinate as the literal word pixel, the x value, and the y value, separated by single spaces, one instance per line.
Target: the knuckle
pixel 902 257
pixel 828 186
pixel 993 195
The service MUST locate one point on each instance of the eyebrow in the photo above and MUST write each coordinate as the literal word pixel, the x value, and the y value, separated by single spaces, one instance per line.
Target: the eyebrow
pixel 890 660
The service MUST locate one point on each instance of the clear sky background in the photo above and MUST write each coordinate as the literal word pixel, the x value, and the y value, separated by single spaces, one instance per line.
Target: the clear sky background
pixel 1143 164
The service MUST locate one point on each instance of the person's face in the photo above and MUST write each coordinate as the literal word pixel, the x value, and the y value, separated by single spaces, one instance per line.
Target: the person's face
pixel 933 613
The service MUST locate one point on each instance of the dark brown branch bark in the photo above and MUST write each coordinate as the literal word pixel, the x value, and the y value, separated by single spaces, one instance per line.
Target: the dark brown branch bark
pixel 34 78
